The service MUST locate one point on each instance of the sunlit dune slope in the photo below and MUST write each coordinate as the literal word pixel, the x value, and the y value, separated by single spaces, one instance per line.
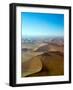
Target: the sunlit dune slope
pixel 49 47
pixel 32 66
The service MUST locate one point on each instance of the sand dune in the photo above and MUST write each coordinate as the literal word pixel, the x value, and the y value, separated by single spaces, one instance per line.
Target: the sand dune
pixel 43 59
pixel 47 64
pixel 49 47
pixel 32 66
pixel 52 63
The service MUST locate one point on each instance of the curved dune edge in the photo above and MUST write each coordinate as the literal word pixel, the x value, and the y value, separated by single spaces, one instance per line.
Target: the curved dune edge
pixel 53 64
pixel 47 64
pixel 32 66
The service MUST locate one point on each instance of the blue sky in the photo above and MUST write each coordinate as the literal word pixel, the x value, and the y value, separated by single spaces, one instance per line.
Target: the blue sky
pixel 42 24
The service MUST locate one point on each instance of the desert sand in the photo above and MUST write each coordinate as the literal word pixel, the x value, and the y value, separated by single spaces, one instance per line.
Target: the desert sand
pixel 43 58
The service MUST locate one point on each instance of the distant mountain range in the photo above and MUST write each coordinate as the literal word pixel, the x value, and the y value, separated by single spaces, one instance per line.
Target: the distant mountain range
pixel 58 40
